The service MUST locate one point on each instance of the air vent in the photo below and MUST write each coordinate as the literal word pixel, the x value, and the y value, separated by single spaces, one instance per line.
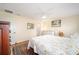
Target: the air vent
pixel 8 11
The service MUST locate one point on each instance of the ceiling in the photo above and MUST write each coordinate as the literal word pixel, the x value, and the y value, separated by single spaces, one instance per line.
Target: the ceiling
pixel 37 10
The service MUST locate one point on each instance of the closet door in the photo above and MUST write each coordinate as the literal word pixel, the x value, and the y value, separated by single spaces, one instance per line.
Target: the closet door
pixel 4 38
pixel 0 42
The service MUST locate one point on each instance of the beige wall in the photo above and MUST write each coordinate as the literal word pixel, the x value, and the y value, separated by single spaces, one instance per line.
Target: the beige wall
pixel 78 25
pixel 18 27
pixel 69 25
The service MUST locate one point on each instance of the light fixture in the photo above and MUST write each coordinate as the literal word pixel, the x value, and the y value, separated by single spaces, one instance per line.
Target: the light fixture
pixel 44 17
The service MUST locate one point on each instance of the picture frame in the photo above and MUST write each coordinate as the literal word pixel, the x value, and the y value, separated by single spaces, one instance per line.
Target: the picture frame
pixel 56 23
pixel 30 26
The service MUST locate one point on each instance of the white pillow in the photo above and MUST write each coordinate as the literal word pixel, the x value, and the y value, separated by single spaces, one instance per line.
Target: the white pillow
pixel 76 35
pixel 47 33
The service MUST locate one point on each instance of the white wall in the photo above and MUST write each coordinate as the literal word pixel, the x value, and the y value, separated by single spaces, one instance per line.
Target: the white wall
pixel 18 26
pixel 69 25
pixel 78 25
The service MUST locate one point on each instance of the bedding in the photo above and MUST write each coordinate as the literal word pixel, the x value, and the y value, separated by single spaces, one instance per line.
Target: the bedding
pixel 53 45
pixel 75 40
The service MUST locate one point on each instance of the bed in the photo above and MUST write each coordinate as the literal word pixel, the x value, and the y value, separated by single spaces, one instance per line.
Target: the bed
pixel 54 45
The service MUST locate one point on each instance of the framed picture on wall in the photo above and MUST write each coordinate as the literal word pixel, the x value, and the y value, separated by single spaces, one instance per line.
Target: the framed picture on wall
pixel 30 26
pixel 56 23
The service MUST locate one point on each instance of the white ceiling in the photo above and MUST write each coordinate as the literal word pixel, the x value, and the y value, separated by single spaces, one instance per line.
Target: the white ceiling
pixel 37 10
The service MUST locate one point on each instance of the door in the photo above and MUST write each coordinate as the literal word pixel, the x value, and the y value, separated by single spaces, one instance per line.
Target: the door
pixel 4 38
pixel 0 42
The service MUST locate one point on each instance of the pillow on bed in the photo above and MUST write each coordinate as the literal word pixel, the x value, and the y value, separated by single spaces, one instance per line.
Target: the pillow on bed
pixel 47 33
pixel 76 35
